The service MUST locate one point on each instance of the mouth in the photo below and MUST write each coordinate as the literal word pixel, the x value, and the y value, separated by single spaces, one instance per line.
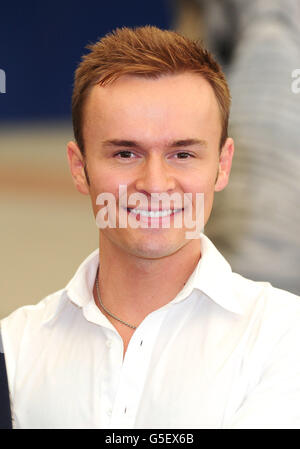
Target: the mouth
pixel 154 213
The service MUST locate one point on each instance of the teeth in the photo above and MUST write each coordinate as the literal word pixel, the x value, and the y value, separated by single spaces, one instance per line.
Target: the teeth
pixel 154 214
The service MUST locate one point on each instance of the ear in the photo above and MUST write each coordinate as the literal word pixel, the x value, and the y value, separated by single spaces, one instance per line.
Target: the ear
pixel 225 161
pixel 77 164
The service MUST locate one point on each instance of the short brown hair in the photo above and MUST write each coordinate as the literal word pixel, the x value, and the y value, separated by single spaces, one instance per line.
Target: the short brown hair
pixel 148 52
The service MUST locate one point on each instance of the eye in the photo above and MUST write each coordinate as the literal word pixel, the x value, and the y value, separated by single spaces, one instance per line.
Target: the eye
pixel 183 155
pixel 125 154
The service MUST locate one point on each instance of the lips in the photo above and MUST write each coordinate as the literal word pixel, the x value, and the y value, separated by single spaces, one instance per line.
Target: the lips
pixel 154 213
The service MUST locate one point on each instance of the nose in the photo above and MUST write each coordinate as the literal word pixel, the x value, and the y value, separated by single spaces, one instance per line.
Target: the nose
pixel 155 176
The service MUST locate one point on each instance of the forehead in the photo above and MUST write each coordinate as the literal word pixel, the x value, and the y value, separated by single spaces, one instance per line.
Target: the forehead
pixel 139 105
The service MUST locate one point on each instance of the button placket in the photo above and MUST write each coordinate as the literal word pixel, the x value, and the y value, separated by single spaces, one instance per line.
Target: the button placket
pixel 134 371
pixel 114 359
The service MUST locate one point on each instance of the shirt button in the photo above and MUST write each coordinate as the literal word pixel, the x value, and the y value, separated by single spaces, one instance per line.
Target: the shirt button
pixel 109 411
pixel 108 343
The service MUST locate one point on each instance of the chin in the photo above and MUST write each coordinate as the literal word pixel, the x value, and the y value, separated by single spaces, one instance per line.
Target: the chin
pixel 154 248
pixel 153 245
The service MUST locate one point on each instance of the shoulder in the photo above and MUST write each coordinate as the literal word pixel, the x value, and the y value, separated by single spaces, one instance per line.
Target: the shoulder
pixel 273 309
pixel 26 325
pixel 15 325
pixel 41 310
pixel 264 290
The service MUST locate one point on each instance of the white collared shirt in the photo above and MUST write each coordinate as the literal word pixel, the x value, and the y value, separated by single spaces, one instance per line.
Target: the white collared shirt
pixel 223 354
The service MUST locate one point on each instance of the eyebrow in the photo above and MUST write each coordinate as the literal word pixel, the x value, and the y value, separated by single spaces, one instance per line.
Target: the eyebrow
pixel 188 143
pixel 175 144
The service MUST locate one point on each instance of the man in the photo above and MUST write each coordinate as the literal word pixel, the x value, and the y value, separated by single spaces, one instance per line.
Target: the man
pixel 154 330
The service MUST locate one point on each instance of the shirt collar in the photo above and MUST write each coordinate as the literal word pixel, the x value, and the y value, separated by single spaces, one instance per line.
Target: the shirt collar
pixel 212 276
pixel 80 287
pixel 79 290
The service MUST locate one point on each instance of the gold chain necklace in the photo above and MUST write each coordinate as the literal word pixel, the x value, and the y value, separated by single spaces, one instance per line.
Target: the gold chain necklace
pixel 105 309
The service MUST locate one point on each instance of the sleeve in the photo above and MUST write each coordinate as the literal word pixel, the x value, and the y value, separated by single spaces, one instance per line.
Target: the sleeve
pixel 274 401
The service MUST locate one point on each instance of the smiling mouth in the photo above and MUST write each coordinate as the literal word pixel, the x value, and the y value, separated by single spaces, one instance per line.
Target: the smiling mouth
pixel 154 213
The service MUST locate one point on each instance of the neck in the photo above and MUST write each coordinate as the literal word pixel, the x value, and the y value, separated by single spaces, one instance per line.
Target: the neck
pixel 132 287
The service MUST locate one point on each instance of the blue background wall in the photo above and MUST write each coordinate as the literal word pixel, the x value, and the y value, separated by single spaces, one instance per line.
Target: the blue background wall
pixel 41 43
pixel 47 228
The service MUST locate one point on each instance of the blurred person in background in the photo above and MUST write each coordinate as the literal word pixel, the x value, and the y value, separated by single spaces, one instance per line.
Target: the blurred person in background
pixel 256 219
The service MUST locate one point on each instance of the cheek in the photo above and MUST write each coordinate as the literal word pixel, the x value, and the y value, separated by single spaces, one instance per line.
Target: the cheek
pixel 104 181
pixel 105 177
pixel 106 186
pixel 201 183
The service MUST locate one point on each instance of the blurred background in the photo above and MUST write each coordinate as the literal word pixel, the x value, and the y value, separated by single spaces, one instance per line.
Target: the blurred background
pixel 47 228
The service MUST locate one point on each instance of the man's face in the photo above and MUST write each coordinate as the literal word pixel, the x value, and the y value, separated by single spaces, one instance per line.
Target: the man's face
pixel 152 136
